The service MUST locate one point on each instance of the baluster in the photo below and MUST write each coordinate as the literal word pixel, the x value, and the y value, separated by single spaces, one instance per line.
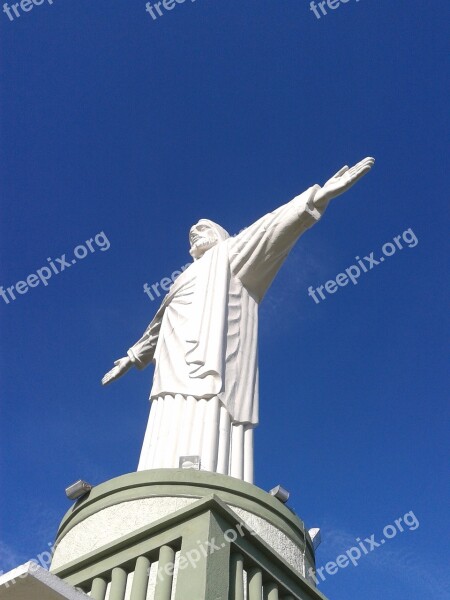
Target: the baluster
pixel 164 578
pixel 98 590
pixel 140 579
pixel 255 584
pixel 118 584
pixel 270 591
pixel 237 577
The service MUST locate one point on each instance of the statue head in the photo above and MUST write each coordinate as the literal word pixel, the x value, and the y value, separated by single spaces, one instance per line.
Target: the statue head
pixel 204 235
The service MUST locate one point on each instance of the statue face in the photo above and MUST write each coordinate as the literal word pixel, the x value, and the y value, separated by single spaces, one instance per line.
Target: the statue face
pixel 202 237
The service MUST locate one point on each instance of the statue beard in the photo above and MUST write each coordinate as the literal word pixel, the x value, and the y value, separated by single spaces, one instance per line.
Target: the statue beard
pixel 201 246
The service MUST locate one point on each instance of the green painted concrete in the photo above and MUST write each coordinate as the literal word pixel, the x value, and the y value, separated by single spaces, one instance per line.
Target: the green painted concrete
pixel 140 579
pixel 190 484
pixel 206 520
pixel 98 591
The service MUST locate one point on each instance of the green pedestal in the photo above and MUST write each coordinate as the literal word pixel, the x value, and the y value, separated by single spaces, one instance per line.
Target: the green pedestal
pixel 172 534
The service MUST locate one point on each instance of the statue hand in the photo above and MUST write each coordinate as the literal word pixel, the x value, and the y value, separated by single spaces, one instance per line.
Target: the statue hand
pixel 343 181
pixel 121 367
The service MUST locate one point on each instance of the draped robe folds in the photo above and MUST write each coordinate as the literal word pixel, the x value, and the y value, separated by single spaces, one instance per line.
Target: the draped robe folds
pixel 203 342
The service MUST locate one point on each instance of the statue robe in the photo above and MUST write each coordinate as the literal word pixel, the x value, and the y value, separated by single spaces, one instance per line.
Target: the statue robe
pixel 203 342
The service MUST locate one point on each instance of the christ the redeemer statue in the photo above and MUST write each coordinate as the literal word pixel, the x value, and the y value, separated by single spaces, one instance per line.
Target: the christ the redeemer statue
pixel 203 339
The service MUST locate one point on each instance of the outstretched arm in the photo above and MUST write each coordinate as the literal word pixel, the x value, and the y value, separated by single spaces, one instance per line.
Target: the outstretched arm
pixel 344 179
pixel 139 355
pixel 121 366
pixel 257 253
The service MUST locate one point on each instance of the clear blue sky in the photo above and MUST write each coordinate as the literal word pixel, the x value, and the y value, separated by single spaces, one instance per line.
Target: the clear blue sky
pixel 112 122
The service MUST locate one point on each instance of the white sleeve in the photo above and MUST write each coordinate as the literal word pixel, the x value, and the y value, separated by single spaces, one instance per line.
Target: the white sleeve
pixel 257 253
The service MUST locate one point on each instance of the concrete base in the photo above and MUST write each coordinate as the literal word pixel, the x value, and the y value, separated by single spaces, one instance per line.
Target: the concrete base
pixel 174 534
pixel 32 582
pixel 127 503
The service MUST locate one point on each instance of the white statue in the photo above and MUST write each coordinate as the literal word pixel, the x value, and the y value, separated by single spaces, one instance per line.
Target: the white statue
pixel 203 339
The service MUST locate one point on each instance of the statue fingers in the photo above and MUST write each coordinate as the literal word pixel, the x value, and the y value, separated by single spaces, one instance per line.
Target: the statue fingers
pixel 109 376
pixel 363 164
pixel 354 171
pixel 357 173
pixel 341 172
pixel 369 161
pixel 364 167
